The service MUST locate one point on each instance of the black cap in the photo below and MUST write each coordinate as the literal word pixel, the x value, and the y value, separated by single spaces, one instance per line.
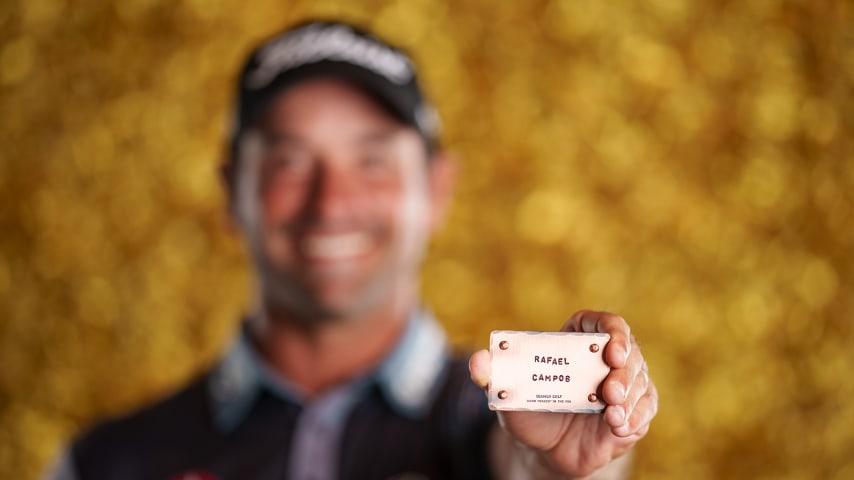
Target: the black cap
pixel 325 48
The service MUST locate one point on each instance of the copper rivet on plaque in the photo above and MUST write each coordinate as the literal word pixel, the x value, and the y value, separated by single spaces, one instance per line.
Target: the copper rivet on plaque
pixel 503 394
pixel 592 398
pixel 594 347
pixel 504 345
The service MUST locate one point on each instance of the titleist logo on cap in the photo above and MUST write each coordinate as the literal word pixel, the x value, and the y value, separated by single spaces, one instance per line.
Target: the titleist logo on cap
pixel 327 42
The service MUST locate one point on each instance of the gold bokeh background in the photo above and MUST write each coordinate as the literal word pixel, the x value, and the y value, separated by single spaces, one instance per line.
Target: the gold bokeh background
pixel 687 164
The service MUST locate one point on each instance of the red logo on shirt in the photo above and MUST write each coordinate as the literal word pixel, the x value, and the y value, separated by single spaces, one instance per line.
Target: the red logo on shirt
pixel 194 475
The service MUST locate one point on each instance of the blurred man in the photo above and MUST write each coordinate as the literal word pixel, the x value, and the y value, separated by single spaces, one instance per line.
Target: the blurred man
pixel 336 181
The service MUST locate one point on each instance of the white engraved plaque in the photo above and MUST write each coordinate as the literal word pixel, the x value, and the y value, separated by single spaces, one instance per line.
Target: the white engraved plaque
pixel 547 371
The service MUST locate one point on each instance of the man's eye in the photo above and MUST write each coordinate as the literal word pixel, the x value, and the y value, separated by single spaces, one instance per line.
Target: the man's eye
pixel 287 165
pixel 293 162
pixel 375 163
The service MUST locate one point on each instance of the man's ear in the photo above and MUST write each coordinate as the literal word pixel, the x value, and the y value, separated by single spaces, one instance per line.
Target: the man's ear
pixel 442 171
pixel 227 172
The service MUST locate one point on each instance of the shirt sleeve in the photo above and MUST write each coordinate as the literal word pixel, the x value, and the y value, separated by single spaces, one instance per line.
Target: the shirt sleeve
pixel 63 468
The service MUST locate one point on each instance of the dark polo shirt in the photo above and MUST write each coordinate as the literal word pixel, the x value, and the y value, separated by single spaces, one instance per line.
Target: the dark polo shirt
pixel 418 416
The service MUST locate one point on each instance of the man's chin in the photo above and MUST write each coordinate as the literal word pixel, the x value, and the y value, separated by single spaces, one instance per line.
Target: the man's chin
pixel 311 299
pixel 313 309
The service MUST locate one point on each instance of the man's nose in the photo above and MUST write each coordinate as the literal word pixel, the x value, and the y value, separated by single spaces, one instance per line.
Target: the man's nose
pixel 333 193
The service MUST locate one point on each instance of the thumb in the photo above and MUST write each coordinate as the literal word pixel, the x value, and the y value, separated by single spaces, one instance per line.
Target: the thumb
pixel 480 368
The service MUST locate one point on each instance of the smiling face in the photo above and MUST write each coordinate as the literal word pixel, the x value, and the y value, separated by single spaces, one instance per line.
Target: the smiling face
pixel 337 201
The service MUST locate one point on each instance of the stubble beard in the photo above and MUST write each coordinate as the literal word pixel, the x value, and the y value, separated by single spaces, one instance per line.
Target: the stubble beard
pixel 287 297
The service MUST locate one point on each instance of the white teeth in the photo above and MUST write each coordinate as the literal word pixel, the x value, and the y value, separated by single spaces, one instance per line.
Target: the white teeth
pixel 335 246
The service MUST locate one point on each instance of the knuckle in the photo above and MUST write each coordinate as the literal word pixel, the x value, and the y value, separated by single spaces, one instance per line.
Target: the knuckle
pixel 642 381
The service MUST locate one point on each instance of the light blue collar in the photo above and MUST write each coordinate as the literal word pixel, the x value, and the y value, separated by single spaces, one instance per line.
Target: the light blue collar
pixel 410 375
pixel 407 377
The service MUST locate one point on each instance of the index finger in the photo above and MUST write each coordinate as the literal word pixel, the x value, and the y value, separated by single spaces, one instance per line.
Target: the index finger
pixel 620 345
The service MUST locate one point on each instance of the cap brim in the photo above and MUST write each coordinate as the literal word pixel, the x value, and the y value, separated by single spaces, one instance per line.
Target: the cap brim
pixel 397 99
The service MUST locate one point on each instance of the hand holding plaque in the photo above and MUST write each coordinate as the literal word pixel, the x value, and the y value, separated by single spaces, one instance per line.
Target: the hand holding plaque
pixel 547 371
pixel 544 400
